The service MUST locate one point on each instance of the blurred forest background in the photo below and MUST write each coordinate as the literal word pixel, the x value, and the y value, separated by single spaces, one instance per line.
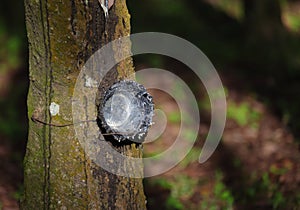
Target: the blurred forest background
pixel 255 47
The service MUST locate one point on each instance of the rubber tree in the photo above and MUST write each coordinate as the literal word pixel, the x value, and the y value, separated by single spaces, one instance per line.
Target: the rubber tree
pixel 62 35
pixel 265 34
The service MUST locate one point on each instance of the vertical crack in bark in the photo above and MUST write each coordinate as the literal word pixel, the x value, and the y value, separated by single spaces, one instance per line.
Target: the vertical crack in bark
pixel 46 118
pixel 48 90
pixel 72 19
pixel 85 159
pixel 86 180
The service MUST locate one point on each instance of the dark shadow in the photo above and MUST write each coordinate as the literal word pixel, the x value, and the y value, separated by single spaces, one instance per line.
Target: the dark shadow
pixel 156 195
pixel 238 180
pixel 13 129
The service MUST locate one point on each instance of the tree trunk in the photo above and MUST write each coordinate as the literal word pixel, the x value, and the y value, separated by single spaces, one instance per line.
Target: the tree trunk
pixel 265 37
pixel 62 35
pixel 263 19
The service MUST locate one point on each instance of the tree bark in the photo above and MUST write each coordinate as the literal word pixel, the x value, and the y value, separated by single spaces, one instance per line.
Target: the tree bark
pixel 265 37
pixel 62 35
pixel 263 17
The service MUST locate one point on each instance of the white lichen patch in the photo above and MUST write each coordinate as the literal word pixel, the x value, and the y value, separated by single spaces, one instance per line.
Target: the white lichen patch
pixel 54 109
pixel 90 82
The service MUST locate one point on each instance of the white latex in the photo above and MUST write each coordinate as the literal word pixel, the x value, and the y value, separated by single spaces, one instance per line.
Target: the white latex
pixel 106 5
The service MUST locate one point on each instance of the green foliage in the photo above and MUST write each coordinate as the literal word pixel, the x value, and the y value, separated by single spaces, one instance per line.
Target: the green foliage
pixel 10 61
pixel 297 198
pixel 276 197
pixel 238 113
pixel 174 203
pixel 18 195
pixel 243 114
pixel 10 124
pixel 181 188
pixel 189 135
pixel 154 154
pixel 191 157
pixel 266 189
pixel 153 60
pixel 294 22
pixel 233 8
pixel 278 171
pixel 222 193
pixel 278 200
pixel 237 163
pixel 174 117
pixel 222 197
pixel 291 16
pixel 204 103
pixel 10 48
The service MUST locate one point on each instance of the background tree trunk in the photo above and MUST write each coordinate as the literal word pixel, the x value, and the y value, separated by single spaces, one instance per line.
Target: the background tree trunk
pixel 266 36
pixel 62 35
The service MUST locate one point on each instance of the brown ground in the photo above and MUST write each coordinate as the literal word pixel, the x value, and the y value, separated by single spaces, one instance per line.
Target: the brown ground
pixel 10 177
pixel 261 156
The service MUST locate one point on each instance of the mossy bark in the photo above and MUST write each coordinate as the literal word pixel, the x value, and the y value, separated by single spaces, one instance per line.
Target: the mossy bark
pixel 62 35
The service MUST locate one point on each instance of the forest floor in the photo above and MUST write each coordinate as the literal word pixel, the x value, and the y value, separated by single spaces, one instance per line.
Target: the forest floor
pixel 10 177
pixel 256 165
